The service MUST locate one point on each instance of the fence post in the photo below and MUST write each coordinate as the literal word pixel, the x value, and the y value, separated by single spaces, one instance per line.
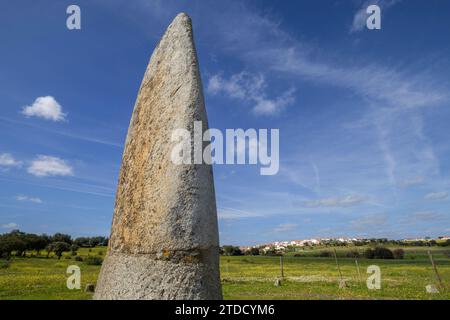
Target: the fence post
pixel 281 267
pixel 438 277
pixel 359 272
pixel 341 282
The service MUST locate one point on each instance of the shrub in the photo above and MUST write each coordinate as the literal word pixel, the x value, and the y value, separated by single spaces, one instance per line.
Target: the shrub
pixel 78 258
pixel 4 264
pixel 353 254
pixel 378 253
pixel 273 253
pixel 325 254
pixel 68 257
pixel 93 261
pixel 369 254
pixel 383 253
pixel 100 253
pixel 399 253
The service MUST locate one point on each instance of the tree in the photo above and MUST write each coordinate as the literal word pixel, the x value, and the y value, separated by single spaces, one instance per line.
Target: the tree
pixel 60 237
pixel 81 241
pixel 58 248
pixel 17 242
pixel 74 249
pixel 91 241
pixel 5 247
pixel 232 251
pixel 37 242
pixel 252 252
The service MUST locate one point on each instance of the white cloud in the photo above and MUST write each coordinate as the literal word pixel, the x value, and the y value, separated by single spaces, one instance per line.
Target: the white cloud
pixel 45 107
pixel 347 201
pixel 360 17
pixel 250 87
pixel 7 160
pixel 11 225
pixel 274 106
pixel 44 166
pixel 285 227
pixel 27 198
pixel 437 196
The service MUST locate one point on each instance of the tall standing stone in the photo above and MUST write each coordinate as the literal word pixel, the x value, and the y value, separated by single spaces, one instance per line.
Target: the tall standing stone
pixel 164 238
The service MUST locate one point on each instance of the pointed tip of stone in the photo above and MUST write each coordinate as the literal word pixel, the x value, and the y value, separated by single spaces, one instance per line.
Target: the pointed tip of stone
pixel 182 15
pixel 181 18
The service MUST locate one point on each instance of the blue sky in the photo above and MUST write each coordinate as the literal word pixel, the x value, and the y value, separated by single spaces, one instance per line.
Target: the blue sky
pixel 363 115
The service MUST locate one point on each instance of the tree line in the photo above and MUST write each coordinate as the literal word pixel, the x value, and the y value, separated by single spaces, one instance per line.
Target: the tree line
pixel 19 243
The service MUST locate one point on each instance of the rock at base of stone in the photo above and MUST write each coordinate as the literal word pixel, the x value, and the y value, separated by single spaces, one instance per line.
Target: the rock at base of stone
pixel 89 288
pixel 146 278
pixel 277 282
pixel 431 288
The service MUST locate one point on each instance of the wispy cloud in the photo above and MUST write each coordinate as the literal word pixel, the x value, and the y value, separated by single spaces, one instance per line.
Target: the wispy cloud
pixel 45 107
pixel 10 225
pixel 443 195
pixel 426 216
pixel 252 88
pixel 346 201
pixel 407 183
pixel 285 227
pixel 225 213
pixel 261 41
pixel 82 188
pixel 44 166
pixel 63 133
pixel 28 199
pixel 382 84
pixel 7 160
pixel 394 95
pixel 368 222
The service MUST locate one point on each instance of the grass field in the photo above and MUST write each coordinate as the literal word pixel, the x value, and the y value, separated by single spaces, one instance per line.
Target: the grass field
pixel 252 277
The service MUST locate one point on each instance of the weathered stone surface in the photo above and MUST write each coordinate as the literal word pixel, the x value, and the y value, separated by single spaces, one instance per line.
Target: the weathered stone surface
pixel 164 239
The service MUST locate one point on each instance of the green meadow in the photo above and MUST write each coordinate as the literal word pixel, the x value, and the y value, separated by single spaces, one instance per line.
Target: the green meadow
pixel 251 277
